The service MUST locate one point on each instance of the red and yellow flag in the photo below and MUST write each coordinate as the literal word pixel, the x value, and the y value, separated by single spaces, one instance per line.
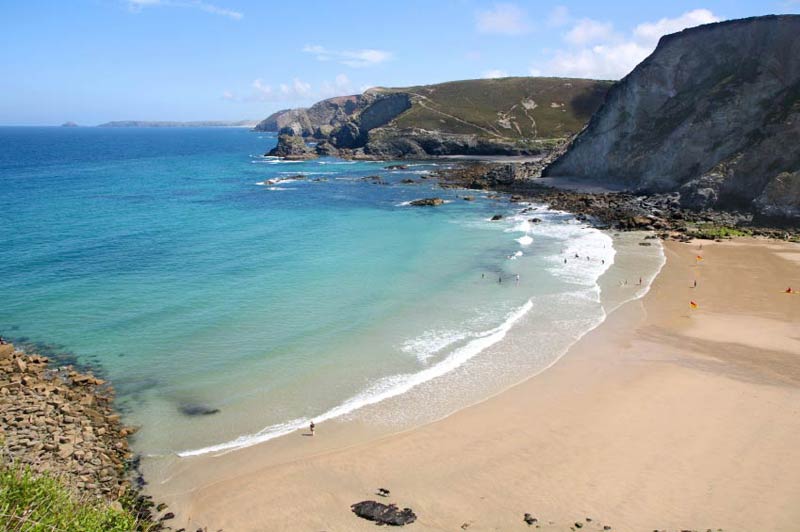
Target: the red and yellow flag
pixel 698 258
pixel 693 304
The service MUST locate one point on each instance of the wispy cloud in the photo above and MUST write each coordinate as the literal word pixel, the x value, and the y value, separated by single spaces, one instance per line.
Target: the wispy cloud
pixel 502 19
pixel 297 91
pixel 597 51
pixel 353 58
pixel 136 6
pixel 588 31
pixel 494 73
pixel 559 16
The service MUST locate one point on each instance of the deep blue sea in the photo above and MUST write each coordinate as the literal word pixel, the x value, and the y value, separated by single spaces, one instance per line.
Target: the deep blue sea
pixel 198 275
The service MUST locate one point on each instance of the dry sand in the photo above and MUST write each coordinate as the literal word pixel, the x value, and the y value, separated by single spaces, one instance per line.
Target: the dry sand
pixel 661 418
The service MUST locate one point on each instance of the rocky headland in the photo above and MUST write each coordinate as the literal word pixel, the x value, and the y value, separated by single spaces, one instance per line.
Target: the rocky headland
pixel 509 116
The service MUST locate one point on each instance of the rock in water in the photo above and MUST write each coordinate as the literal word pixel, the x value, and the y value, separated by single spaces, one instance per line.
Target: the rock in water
pixel 384 514
pixel 427 202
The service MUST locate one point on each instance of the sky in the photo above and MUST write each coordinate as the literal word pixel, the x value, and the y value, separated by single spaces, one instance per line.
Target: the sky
pixel 92 61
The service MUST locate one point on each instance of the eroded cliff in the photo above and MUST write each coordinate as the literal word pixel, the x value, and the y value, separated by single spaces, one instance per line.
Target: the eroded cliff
pixel 714 112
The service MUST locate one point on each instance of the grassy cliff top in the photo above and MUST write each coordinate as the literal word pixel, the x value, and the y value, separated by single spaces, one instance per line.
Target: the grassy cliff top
pixel 515 108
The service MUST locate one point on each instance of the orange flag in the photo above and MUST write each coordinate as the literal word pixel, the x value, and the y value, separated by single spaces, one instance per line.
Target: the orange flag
pixel 692 304
pixel 699 258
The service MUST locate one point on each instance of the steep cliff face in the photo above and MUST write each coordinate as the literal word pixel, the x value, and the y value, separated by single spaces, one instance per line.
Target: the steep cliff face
pixel 714 112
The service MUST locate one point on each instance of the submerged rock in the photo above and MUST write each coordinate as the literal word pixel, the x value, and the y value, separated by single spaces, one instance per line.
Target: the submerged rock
pixel 497 217
pixel 198 410
pixel 384 514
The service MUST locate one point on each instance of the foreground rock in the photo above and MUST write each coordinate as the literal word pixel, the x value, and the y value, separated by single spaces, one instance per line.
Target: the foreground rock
pixel 384 514
pixel 62 422
pixel 427 202
pixel 713 113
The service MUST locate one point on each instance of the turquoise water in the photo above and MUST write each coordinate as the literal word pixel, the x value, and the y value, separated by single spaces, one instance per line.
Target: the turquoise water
pixel 160 257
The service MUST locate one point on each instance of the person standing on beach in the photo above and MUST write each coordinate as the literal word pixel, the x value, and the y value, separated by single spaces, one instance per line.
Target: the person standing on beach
pixel 311 428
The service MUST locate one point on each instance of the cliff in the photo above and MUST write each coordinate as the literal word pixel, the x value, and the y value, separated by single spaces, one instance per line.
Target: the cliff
pixel 509 116
pixel 319 119
pixel 714 113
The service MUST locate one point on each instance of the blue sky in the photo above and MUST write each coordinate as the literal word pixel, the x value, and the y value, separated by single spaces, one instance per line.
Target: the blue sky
pixel 97 60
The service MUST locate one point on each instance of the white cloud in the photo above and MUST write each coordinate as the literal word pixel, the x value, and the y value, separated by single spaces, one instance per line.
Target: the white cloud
pixel 352 58
pixel 494 73
pixel 535 72
pixel 588 31
pixel 297 91
pixel 597 51
pixel 559 16
pixel 502 19
pixel 651 32
pixel 340 86
pixel 137 5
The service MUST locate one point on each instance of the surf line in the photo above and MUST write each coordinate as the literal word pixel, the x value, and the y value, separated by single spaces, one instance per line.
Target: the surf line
pixel 386 388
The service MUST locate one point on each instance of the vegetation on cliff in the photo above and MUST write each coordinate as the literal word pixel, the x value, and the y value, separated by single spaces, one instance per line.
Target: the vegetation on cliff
pixel 508 116
pixel 41 502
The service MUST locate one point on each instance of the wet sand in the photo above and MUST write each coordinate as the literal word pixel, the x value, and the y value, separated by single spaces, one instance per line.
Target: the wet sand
pixel 663 417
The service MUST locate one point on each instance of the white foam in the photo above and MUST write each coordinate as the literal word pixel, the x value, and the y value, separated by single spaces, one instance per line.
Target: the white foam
pixel 384 389
pixel 431 342
pixel 526 240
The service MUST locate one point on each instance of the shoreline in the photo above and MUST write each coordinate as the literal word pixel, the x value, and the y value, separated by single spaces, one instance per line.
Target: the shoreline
pixel 334 476
pixel 372 407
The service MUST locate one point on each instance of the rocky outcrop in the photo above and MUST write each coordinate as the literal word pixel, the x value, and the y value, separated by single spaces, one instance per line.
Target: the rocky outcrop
pixel 315 121
pixel 427 202
pixel 292 147
pixel 713 113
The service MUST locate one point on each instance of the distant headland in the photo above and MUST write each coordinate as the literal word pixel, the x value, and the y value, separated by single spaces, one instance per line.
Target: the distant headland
pixel 169 123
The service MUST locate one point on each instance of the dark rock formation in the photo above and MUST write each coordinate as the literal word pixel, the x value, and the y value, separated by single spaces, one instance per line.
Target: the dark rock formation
pixel 292 147
pixel 714 112
pixel 384 514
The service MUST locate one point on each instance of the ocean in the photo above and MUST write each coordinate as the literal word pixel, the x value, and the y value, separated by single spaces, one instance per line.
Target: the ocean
pixel 230 298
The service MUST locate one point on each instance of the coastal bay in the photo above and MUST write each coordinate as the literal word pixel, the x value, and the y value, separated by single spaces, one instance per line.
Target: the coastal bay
pixel 647 423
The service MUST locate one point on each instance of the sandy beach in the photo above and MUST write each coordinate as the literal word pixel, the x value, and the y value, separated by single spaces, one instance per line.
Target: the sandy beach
pixel 664 417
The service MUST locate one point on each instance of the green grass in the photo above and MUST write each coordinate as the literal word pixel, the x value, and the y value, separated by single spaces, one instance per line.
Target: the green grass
pixel 484 106
pixel 33 503
pixel 713 232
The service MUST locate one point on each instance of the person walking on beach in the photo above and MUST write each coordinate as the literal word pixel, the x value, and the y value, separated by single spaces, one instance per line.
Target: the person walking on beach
pixel 695 284
pixel 311 428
